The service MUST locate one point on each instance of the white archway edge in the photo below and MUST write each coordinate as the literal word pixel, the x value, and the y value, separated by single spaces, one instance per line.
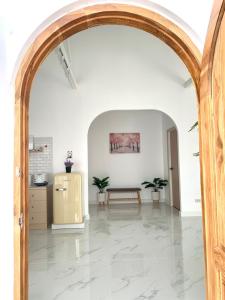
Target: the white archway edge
pixel 184 14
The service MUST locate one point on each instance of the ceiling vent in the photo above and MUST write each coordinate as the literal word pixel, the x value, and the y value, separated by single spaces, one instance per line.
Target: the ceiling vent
pixel 64 61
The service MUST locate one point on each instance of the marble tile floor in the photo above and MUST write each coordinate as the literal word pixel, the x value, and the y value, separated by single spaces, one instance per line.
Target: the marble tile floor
pixel 126 252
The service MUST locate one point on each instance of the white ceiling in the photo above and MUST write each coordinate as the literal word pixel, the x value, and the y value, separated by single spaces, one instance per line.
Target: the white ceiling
pixel 104 54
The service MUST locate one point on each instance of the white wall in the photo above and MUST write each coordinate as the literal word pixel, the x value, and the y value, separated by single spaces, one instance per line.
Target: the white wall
pixel 15 38
pixel 131 169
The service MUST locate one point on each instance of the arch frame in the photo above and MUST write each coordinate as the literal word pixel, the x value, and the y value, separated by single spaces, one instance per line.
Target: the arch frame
pixel 45 42
pixel 175 126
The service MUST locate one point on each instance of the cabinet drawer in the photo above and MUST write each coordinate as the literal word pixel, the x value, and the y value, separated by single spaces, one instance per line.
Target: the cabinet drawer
pixel 39 226
pixel 37 206
pixel 36 194
pixel 36 217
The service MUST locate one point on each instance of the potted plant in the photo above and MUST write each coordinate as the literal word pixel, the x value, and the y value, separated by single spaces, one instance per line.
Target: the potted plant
pixel 156 185
pixel 68 164
pixel 101 185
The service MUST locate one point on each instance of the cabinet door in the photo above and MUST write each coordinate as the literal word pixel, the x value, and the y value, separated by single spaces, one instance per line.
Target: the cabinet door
pixel 38 218
pixel 77 199
pixel 37 194
pixel 67 199
pixel 37 206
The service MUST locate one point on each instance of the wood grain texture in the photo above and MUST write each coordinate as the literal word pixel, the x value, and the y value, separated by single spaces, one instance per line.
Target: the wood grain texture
pixel 123 190
pixel 64 27
pixel 212 150
pixel 40 207
pixel 219 258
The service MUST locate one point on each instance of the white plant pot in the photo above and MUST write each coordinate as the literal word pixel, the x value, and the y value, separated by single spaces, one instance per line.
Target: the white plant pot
pixel 101 197
pixel 156 196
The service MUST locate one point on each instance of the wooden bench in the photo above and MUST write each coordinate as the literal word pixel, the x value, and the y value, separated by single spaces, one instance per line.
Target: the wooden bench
pixel 124 190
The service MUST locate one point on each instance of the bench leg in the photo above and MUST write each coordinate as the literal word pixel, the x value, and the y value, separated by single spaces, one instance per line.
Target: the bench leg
pixel 139 197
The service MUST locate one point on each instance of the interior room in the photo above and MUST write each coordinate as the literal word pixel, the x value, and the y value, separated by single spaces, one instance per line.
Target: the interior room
pixel 114 102
pixel 66 64
pixel 130 169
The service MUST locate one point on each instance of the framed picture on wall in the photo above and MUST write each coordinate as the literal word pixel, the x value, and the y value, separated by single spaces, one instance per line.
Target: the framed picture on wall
pixel 124 142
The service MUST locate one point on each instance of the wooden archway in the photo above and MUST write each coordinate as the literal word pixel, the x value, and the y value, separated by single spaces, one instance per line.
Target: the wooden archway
pixel 47 40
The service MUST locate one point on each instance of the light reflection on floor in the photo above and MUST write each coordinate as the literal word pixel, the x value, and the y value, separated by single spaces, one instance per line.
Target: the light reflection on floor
pixel 126 252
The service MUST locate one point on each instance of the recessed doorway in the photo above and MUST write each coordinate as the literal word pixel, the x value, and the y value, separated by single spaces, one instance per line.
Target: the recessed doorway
pixel 173 162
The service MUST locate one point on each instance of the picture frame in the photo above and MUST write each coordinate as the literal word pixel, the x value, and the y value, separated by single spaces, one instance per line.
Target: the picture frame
pixel 120 143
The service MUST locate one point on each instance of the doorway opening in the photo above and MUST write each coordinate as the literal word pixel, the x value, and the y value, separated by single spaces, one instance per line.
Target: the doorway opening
pixel 100 88
pixel 173 163
pixel 127 169
pixel 188 53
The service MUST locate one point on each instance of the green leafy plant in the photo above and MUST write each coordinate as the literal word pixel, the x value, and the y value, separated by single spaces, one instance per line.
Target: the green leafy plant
pixel 157 184
pixel 101 183
pixel 192 128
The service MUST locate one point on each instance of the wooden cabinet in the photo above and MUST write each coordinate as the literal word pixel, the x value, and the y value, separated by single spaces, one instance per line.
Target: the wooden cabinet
pixel 67 206
pixel 40 207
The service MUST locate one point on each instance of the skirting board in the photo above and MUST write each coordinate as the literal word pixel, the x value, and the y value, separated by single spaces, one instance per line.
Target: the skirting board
pixel 86 217
pixel 127 201
pixel 190 213
pixel 68 226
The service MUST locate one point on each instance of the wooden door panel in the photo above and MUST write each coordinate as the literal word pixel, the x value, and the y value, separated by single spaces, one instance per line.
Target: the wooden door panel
pixel 218 89
pixel 219 259
pixel 218 140
pixel 212 153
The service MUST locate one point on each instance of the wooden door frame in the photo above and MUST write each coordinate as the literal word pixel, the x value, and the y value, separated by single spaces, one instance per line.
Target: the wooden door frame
pixel 169 158
pixel 214 257
pixel 45 42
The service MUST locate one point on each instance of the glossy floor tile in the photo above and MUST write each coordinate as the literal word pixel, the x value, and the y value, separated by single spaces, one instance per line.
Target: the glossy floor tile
pixel 126 252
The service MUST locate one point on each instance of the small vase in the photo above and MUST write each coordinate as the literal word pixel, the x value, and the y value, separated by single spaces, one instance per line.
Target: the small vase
pixel 156 196
pixel 101 198
pixel 68 169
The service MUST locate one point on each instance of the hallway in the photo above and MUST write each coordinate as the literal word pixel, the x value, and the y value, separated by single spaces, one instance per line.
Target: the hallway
pixel 125 252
